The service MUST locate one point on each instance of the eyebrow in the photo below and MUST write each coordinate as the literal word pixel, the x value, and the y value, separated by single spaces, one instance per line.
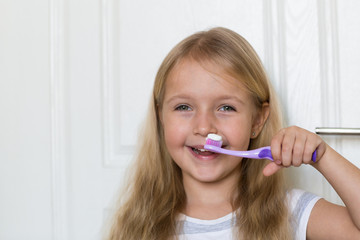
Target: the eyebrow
pixel 232 98
pixel 180 96
pixel 219 98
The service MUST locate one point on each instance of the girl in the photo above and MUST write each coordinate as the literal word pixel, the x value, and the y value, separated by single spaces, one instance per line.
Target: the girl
pixel 214 82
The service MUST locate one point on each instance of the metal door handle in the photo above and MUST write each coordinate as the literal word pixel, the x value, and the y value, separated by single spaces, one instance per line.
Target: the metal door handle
pixel 337 131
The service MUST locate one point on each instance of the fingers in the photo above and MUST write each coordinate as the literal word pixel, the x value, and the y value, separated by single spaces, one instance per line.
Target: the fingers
pixel 294 146
pixel 298 151
pixel 310 147
pixel 271 168
pixel 287 147
pixel 276 143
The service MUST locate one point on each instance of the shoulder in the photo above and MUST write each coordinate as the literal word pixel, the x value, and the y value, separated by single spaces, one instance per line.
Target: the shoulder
pixel 300 205
pixel 299 199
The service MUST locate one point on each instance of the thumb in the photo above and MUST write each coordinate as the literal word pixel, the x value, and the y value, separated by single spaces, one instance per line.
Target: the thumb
pixel 271 168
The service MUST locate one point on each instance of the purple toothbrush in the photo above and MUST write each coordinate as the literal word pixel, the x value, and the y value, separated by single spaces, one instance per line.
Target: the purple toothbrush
pixel 214 142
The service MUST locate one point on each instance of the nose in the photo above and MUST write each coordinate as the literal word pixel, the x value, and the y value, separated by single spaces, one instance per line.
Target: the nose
pixel 204 123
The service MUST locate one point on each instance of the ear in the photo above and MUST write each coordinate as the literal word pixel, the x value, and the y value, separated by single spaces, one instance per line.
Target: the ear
pixel 260 119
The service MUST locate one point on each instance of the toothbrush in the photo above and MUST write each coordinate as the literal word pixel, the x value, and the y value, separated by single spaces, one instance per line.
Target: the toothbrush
pixel 214 142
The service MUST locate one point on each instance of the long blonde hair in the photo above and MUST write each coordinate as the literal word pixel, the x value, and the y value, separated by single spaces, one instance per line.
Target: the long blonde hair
pixel 155 194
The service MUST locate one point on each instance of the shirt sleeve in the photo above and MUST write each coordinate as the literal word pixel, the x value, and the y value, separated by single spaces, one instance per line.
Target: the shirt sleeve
pixel 301 204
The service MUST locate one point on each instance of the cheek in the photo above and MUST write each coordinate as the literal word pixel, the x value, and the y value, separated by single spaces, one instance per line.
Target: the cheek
pixel 175 138
pixel 238 133
pixel 174 133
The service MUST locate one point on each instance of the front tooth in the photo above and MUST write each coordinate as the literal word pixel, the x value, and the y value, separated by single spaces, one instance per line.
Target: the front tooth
pixel 200 150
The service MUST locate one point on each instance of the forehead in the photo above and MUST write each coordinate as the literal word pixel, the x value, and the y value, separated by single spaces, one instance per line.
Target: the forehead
pixel 191 72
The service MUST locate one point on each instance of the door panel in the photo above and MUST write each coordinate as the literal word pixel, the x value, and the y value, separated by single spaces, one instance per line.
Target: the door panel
pixel 349 59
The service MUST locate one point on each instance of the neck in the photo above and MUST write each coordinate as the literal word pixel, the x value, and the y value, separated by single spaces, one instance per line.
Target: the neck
pixel 209 200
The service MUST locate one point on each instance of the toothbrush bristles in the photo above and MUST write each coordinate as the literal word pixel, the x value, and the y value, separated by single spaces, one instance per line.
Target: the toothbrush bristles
pixel 213 143
pixel 214 139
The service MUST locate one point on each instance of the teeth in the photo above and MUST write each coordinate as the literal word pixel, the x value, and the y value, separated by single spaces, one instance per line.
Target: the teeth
pixel 200 150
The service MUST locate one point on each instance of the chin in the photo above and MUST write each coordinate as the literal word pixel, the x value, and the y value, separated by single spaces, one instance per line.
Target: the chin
pixel 208 178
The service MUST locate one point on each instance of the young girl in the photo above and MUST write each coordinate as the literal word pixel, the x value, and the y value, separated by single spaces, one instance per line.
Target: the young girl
pixel 214 82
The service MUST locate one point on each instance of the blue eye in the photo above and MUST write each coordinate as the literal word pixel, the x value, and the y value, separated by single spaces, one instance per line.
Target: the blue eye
pixel 227 108
pixel 182 107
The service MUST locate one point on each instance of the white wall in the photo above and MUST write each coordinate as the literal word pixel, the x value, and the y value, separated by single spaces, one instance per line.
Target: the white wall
pixel 75 78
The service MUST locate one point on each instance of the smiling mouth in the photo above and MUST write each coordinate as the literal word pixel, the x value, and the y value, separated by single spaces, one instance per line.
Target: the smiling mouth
pixel 201 151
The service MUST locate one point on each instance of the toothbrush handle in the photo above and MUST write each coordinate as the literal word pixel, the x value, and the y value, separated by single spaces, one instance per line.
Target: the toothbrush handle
pixel 256 153
pixel 314 155
pixel 264 152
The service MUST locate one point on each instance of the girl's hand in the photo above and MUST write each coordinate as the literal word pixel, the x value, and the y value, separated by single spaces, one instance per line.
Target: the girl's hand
pixel 294 146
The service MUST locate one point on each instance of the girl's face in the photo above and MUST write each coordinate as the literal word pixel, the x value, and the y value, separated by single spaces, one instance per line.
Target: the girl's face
pixel 196 103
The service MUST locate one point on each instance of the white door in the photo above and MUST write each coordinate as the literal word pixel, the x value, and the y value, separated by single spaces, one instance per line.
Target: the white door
pixel 76 76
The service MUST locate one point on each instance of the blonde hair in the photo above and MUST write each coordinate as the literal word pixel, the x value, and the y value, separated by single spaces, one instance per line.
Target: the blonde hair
pixel 155 195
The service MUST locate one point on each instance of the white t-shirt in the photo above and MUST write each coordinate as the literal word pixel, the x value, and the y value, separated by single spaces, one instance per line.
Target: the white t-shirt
pixel 300 203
